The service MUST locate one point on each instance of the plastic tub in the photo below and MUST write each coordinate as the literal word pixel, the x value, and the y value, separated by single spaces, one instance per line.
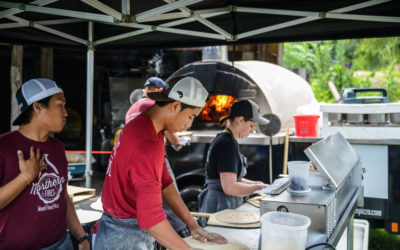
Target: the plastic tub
pixel 298 176
pixel 284 231
pixel 306 125
pixel 360 236
pixel 316 179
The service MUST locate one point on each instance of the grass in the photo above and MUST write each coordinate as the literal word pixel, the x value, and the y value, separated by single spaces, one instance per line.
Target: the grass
pixel 379 239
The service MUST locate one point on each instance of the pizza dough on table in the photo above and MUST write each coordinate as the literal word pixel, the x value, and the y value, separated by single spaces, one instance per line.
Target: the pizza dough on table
pixel 237 216
pixel 231 245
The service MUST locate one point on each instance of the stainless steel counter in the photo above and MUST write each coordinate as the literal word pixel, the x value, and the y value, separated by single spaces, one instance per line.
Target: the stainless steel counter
pixel 251 237
pixel 206 136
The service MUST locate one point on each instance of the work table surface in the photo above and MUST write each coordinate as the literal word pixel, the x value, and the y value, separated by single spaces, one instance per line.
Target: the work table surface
pixel 251 237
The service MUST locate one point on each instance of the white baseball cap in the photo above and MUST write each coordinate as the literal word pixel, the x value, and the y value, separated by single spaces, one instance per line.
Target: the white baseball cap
pixel 185 89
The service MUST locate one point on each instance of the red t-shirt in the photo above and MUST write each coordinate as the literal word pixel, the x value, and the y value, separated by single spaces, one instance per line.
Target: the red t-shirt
pixel 137 108
pixel 37 217
pixel 137 174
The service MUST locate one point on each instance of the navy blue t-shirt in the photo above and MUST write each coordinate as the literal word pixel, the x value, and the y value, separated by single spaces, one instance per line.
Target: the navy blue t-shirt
pixel 223 156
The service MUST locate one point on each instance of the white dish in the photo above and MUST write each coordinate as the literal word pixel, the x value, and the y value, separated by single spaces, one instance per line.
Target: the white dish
pixel 97 205
pixel 316 179
pixel 86 216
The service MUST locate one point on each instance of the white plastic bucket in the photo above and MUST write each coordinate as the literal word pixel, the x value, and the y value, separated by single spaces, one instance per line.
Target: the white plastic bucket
pixel 360 236
pixel 298 175
pixel 284 231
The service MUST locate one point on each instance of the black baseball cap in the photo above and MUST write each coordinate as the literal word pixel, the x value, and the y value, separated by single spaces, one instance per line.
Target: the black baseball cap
pixel 248 109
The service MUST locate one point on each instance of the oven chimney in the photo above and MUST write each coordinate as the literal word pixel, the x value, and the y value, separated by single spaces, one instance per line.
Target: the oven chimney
pixel 214 53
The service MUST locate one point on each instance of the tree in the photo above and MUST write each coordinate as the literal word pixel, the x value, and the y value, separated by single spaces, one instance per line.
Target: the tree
pixel 337 61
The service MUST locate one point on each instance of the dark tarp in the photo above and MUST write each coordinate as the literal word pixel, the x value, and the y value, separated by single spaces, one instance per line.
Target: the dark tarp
pixel 234 19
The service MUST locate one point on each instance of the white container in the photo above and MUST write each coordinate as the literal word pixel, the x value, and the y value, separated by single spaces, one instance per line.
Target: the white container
pixel 316 179
pixel 298 176
pixel 360 236
pixel 284 231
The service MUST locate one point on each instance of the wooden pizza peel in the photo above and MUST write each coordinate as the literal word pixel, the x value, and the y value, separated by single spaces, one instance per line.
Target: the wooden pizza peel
pixel 255 201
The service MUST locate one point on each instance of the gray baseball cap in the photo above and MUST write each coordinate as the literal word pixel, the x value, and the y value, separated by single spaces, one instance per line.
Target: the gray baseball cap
pixel 32 91
pixel 185 89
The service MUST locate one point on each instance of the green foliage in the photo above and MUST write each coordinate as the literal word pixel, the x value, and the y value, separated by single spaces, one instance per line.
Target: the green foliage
pixel 390 84
pixel 379 239
pixel 330 61
pixel 377 53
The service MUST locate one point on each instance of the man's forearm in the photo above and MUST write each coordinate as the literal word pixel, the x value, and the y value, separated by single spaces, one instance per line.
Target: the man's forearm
pixel 11 190
pixel 73 223
pixel 166 236
pixel 175 203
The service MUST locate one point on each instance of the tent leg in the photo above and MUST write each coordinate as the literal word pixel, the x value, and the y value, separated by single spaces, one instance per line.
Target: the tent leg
pixel 89 107
pixel 17 58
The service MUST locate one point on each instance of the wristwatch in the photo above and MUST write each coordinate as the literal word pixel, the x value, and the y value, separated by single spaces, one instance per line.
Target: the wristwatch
pixel 82 239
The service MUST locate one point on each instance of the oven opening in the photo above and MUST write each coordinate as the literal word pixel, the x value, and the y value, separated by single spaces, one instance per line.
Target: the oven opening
pixel 216 107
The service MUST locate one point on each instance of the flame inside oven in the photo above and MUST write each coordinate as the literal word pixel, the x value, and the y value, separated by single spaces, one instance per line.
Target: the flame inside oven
pixel 216 107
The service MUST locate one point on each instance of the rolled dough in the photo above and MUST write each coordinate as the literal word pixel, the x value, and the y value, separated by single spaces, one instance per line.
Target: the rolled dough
pixel 237 216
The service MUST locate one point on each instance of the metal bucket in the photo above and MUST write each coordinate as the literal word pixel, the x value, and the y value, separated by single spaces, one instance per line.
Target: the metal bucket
pixel 395 117
pixel 355 118
pixel 376 118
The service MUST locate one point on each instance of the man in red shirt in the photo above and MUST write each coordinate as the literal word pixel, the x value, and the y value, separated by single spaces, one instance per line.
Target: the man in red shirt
pixel 35 209
pixel 137 179
pixel 140 104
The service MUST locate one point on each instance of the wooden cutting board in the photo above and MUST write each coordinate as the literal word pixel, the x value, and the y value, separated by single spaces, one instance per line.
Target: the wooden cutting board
pixel 231 245
pixel 231 218
pixel 79 194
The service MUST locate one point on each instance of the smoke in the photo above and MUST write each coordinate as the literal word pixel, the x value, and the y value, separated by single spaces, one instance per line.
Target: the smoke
pixel 156 66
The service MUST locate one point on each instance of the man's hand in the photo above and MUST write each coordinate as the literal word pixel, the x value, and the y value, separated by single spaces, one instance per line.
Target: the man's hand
pixel 203 235
pixel 31 167
pixel 84 245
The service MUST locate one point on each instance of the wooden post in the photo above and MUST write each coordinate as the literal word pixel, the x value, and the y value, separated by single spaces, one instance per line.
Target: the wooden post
pixel 46 63
pixel 16 80
pixel 279 60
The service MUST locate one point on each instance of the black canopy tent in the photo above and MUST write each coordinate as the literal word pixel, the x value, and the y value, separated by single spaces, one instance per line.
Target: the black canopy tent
pixel 127 24
pixel 184 23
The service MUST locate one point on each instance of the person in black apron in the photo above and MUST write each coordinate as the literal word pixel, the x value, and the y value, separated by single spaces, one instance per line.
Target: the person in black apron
pixel 225 165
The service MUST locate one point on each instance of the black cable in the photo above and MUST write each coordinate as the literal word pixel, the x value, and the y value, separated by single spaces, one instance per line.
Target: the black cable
pixel 321 244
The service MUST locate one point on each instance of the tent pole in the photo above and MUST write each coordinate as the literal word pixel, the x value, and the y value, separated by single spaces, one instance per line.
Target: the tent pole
pixel 89 107
pixel 17 60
